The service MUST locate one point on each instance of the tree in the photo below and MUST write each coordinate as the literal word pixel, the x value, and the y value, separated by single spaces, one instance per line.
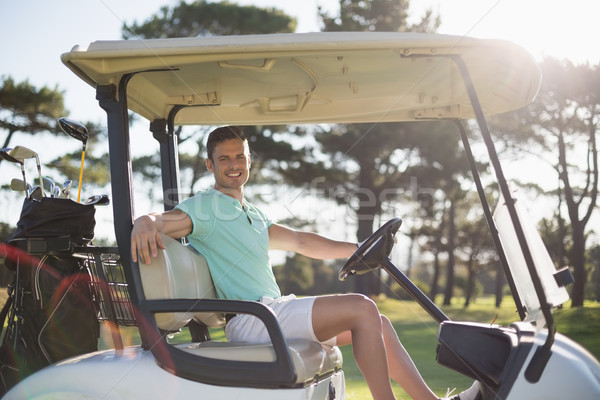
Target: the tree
pixel 594 257
pixel 565 118
pixel 96 172
pixel 27 109
pixel 442 166
pixel 433 232
pixel 296 275
pixel 201 18
pixel 476 245
pixel 377 15
pixel 581 109
pixel 375 171
pixel 368 166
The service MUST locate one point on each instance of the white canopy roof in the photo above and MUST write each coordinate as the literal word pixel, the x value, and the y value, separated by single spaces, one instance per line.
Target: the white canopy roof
pixel 309 78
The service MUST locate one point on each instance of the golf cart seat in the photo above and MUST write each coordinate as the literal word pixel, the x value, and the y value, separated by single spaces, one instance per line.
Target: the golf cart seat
pixel 181 272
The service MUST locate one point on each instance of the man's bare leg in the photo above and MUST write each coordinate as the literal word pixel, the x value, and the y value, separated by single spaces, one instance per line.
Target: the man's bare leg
pixel 402 369
pixel 374 342
pixel 357 314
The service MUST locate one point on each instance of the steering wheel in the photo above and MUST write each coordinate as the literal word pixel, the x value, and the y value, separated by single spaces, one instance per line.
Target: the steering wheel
pixel 369 254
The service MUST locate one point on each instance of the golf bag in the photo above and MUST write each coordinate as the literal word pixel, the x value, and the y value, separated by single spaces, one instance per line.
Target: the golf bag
pixel 50 310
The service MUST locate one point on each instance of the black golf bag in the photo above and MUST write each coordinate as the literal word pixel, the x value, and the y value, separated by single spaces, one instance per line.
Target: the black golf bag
pixel 51 314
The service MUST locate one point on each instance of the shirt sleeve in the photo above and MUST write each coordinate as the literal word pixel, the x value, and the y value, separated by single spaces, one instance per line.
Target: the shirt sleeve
pixel 192 207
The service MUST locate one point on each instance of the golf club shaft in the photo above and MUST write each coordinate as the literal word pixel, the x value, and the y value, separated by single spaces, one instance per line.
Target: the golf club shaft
pixel 39 168
pixel 24 179
pixel 80 175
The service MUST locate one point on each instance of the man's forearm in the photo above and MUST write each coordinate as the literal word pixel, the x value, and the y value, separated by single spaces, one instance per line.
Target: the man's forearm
pixel 316 246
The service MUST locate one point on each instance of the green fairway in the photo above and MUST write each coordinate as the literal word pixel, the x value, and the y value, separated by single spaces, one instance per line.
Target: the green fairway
pixel 418 332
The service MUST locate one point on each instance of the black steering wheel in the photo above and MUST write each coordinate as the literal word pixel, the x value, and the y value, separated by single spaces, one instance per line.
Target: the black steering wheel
pixel 372 251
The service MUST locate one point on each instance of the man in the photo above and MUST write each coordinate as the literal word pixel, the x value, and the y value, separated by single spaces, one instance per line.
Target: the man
pixel 234 236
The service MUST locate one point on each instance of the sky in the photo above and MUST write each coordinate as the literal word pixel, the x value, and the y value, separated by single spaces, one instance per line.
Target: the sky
pixel 34 33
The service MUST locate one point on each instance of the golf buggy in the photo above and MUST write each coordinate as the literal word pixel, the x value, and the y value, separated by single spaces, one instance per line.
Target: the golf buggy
pixel 306 79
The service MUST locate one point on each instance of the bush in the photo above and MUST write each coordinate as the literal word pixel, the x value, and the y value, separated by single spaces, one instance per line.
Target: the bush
pixel 401 294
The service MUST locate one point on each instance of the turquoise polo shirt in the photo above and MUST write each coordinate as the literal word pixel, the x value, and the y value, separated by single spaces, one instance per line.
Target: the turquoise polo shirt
pixel 235 242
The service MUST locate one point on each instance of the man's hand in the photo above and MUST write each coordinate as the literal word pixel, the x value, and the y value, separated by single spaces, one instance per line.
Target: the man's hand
pixel 145 240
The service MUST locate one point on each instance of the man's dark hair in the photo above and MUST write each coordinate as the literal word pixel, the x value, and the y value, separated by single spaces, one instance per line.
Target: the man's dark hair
pixel 221 134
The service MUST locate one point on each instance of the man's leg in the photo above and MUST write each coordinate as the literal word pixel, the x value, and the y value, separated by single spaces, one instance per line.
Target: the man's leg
pixel 332 315
pixel 375 344
pixel 402 369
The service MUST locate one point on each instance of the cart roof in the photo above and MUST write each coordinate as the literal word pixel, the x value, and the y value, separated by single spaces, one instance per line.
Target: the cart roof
pixel 309 78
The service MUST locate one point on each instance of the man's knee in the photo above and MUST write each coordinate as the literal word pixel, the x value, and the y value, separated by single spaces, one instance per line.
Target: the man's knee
pixel 387 326
pixel 364 306
pixel 386 321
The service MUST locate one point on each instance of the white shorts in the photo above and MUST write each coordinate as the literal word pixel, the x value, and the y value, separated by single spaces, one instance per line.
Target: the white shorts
pixel 294 316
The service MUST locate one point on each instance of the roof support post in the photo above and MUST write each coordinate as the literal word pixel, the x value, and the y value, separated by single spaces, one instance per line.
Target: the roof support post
pixel 169 162
pixel 543 353
pixel 120 165
pixel 122 195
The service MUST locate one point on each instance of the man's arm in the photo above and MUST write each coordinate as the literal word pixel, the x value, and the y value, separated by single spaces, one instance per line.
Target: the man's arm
pixel 145 239
pixel 307 243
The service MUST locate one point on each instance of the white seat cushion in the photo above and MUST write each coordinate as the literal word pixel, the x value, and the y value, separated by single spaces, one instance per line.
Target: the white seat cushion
pixel 311 359
pixel 179 272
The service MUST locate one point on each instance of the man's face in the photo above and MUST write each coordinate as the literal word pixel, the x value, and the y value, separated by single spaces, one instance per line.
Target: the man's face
pixel 230 164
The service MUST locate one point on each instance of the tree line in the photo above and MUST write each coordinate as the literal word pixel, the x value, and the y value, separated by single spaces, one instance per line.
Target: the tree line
pixel 417 169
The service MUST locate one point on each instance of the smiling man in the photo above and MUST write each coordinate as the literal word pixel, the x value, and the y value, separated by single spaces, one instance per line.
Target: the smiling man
pixel 235 236
pixel 230 165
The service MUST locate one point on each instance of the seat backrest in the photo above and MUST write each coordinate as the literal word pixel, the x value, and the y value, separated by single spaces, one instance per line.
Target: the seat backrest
pixel 181 272
pixel 178 272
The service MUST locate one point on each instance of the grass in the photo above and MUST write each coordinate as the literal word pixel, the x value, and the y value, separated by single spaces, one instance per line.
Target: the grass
pixel 418 332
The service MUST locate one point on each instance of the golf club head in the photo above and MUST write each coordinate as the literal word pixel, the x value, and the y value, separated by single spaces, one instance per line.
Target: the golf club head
pixel 36 194
pixel 64 191
pixel 18 185
pixel 55 192
pixel 97 200
pixel 23 153
pixel 7 154
pixel 49 185
pixel 74 129
pixel 78 131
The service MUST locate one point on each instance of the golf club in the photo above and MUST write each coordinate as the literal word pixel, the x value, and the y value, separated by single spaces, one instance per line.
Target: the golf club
pixel 64 191
pixel 23 153
pixel 6 154
pixel 19 185
pixel 48 186
pixel 55 192
pixel 35 193
pixel 78 131
pixel 98 200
